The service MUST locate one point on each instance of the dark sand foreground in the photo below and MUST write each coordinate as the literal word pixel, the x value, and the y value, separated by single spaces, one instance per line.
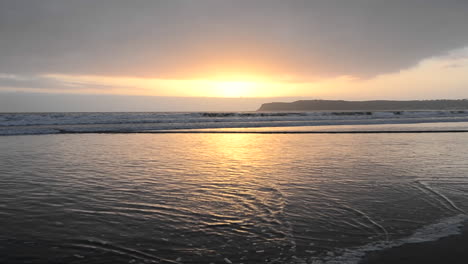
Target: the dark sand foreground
pixel 450 250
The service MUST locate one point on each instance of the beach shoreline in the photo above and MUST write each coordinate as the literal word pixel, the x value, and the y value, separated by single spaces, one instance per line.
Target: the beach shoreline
pixel 452 249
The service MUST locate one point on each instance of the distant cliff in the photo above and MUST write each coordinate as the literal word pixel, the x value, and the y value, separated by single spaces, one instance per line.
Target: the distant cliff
pixel 378 105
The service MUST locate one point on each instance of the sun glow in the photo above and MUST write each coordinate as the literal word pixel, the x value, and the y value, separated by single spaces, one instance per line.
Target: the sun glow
pixel 230 86
pixel 235 88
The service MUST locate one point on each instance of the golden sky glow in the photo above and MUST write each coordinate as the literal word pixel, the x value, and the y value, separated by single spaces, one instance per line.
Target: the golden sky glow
pixel 234 87
pixel 439 77
pixel 235 49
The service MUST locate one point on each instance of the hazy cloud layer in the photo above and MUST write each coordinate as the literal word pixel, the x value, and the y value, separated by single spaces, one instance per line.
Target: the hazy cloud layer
pixel 183 39
pixel 10 81
pixel 44 102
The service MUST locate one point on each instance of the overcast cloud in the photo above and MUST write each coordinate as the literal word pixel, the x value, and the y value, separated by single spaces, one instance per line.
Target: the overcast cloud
pixel 185 39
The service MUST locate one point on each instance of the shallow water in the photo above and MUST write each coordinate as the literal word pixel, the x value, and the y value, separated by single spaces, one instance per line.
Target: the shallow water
pixel 240 198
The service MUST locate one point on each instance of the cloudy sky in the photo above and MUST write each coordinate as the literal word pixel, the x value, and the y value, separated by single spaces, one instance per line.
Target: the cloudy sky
pixel 328 49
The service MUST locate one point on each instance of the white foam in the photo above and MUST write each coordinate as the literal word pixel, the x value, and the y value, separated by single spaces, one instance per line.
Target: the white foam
pixel 445 227
pixel 45 123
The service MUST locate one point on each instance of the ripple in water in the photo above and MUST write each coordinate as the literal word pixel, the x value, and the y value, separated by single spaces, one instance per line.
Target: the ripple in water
pixel 240 198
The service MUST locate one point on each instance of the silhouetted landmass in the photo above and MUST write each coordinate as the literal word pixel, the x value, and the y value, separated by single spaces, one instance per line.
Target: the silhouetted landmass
pixel 377 105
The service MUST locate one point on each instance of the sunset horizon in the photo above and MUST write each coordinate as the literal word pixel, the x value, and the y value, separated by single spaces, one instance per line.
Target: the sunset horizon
pixel 234 131
pixel 230 49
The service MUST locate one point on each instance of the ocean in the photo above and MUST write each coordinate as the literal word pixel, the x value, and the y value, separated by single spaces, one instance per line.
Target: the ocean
pixel 249 187
pixel 57 123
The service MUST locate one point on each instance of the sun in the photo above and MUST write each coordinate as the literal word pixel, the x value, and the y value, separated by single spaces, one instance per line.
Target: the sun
pixel 235 88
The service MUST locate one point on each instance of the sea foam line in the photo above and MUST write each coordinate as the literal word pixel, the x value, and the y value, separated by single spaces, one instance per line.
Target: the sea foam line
pixel 445 227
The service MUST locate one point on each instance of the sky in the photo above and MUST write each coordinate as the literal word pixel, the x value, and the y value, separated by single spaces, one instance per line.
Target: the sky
pixel 60 55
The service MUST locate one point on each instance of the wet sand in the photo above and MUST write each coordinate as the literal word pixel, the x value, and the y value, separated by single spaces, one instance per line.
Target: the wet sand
pixel 452 249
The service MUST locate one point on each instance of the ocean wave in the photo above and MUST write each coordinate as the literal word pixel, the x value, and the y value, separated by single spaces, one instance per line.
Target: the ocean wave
pixel 53 123
pixel 28 119
pixel 444 228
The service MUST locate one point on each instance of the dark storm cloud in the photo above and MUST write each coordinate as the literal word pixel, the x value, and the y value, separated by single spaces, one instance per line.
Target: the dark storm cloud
pixel 175 38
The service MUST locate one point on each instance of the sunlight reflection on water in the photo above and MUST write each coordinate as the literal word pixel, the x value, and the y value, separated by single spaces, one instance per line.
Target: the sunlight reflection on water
pixel 203 197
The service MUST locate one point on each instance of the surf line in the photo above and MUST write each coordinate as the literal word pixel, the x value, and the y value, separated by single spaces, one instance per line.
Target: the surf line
pixel 62 131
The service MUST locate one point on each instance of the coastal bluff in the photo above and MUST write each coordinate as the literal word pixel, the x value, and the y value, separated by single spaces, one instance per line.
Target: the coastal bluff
pixel 376 105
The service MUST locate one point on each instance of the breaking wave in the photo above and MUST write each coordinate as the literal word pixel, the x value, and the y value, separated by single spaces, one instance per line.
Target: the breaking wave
pixel 52 123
